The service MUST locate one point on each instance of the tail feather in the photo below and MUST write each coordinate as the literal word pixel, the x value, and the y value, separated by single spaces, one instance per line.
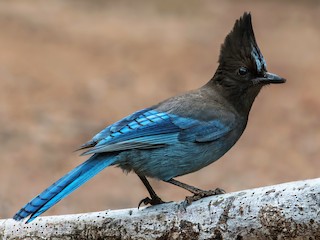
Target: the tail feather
pixel 64 186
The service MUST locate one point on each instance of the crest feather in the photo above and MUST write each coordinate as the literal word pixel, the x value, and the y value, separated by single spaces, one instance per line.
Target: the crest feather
pixel 240 44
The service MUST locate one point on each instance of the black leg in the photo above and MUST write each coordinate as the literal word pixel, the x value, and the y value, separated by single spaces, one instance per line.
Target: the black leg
pixel 155 199
pixel 198 193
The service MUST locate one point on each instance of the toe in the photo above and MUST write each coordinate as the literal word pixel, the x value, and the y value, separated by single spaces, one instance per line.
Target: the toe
pixel 144 201
pixel 151 201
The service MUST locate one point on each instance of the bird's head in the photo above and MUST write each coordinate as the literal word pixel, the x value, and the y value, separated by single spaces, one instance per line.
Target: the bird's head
pixel 242 69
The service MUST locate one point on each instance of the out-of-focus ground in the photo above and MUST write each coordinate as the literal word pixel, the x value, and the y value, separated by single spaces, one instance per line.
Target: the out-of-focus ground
pixel 70 68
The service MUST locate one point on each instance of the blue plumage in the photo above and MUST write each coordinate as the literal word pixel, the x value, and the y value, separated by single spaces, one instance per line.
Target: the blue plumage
pixel 179 135
pixel 151 125
pixel 145 129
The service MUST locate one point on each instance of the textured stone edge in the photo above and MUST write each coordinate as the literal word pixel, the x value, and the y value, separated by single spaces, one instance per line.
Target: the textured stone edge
pixel 286 211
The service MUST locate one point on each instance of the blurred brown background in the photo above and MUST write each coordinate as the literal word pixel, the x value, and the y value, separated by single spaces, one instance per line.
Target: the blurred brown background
pixel 70 68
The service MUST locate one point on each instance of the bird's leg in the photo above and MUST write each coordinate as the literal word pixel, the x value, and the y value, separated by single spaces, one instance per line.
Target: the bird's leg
pixel 155 199
pixel 197 192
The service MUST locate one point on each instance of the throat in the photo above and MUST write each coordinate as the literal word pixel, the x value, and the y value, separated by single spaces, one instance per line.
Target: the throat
pixel 240 99
pixel 244 101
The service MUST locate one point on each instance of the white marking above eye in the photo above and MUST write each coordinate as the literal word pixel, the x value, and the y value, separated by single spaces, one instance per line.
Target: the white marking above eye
pixel 259 59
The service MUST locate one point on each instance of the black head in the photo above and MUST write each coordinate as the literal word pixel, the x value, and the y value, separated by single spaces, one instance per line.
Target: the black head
pixel 242 69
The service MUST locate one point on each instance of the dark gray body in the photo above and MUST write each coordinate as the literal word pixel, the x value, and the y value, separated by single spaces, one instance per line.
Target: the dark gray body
pixel 186 157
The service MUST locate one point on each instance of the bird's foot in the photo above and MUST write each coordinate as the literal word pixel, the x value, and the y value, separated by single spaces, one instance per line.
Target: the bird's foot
pixel 203 194
pixel 152 201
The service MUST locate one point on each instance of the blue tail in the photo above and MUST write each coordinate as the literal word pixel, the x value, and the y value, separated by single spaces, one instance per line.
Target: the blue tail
pixel 64 186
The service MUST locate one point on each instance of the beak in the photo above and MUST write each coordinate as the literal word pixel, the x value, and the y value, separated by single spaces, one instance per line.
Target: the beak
pixel 269 78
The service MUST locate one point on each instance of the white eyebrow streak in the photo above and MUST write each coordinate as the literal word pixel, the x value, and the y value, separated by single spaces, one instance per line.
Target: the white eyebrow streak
pixel 257 56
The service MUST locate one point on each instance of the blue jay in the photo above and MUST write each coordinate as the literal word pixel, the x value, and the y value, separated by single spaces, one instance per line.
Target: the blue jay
pixel 179 135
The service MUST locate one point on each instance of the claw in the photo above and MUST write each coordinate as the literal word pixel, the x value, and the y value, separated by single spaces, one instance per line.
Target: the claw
pixel 219 191
pixel 152 201
pixel 145 201
pixel 203 194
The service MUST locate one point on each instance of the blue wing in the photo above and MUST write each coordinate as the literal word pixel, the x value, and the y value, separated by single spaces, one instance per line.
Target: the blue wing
pixel 202 131
pixel 112 129
pixel 149 128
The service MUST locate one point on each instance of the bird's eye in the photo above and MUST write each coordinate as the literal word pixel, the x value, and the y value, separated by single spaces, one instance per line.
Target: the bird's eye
pixel 243 71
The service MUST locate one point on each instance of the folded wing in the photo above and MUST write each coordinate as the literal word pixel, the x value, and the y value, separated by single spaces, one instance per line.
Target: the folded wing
pixel 149 128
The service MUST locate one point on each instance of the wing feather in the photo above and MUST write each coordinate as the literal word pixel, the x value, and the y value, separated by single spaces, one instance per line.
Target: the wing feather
pixel 149 128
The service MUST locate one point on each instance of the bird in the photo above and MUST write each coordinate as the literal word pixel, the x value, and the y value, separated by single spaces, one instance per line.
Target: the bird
pixel 177 136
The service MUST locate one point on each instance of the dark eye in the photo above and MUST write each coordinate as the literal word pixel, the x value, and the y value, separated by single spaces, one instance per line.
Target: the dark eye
pixel 243 71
